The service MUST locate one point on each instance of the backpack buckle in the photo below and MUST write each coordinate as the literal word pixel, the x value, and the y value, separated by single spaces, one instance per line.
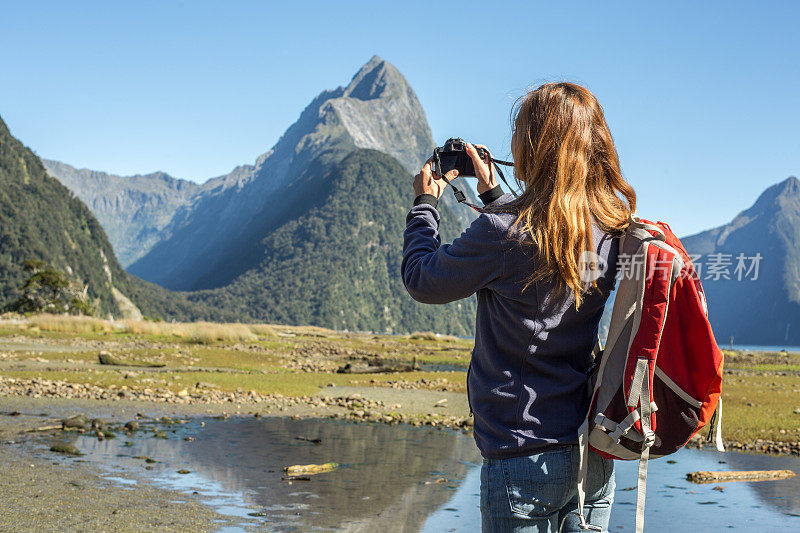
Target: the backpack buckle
pixel 649 439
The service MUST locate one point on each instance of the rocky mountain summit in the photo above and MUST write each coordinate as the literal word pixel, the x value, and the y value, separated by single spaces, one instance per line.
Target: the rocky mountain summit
pixel 310 233
pixel 218 236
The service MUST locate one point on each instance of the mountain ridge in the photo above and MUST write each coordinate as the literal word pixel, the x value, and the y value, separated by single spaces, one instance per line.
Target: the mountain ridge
pixel 765 310
pixel 133 210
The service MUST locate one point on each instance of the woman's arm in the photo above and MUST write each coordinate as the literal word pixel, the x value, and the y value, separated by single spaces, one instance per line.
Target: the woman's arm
pixel 489 190
pixel 491 195
pixel 483 171
pixel 437 274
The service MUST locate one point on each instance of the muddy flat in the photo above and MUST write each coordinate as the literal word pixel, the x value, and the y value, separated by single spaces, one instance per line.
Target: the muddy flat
pixel 51 368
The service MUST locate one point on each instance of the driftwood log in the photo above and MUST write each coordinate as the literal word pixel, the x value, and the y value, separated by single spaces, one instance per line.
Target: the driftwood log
pixel 744 475
pixel 350 368
pixel 296 470
pixel 377 366
pixel 105 358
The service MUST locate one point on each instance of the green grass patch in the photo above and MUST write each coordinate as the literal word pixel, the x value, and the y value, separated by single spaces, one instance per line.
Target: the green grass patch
pixel 759 407
pixel 220 357
pixel 775 368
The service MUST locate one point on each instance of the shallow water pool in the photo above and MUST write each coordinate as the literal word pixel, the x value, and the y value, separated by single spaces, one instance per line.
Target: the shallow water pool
pixel 399 478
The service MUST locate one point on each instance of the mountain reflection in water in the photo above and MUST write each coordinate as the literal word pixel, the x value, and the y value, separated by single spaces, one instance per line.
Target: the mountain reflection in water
pixel 379 487
pixel 237 465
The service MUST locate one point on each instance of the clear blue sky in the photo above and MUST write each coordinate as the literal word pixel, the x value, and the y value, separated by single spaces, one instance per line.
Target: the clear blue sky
pixel 702 97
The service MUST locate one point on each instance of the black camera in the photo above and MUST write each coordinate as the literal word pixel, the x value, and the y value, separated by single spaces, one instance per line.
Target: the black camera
pixel 453 155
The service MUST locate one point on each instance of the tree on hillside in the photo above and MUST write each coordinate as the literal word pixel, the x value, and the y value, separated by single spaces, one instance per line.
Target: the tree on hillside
pixel 50 290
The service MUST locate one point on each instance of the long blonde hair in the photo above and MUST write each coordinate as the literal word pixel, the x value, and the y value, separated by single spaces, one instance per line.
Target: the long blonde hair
pixel 567 165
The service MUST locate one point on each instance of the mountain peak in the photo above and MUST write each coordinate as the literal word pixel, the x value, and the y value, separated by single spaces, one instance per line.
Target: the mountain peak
pixel 377 78
pixel 377 110
pixel 790 186
pixel 776 195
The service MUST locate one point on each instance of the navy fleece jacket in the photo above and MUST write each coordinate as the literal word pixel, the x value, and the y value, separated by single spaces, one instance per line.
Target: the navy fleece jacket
pixel 527 382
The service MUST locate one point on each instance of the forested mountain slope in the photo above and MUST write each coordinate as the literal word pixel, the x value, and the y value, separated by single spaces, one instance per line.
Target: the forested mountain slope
pixel 41 220
pixel 338 265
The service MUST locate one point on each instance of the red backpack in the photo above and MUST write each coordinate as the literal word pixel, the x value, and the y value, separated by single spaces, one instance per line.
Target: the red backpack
pixel 659 377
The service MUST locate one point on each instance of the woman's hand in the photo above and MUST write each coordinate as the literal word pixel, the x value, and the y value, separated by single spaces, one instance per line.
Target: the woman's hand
pixel 427 182
pixel 483 169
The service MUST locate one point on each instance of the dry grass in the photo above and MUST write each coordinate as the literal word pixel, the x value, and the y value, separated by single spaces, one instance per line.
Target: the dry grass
pixel 263 330
pixel 201 332
pixel 196 332
pixel 70 324
pixel 423 336
pixel 143 327
pixel 307 331
pixel 209 333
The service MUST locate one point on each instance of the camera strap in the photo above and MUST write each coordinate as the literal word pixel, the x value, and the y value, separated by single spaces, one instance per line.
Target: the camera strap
pixel 461 197
pixel 458 193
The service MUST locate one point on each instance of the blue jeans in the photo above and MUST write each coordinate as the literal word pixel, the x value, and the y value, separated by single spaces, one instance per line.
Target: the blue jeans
pixel 534 494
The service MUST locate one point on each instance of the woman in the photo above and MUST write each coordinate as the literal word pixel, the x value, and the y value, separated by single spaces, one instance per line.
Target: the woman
pixel 539 304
